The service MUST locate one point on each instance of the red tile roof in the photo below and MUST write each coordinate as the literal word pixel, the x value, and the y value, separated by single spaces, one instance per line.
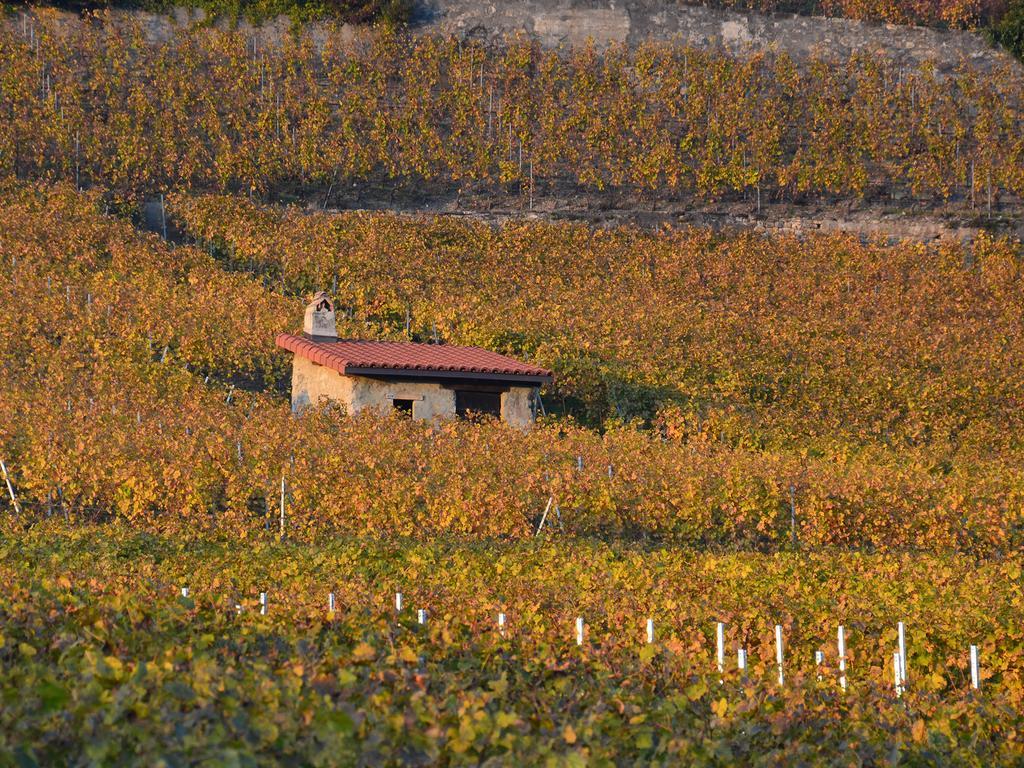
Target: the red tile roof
pixel 355 357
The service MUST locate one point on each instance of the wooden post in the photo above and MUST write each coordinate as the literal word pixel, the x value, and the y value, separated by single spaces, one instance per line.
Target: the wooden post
pixel 544 517
pixel 792 514
pixel 282 506
pixel 10 488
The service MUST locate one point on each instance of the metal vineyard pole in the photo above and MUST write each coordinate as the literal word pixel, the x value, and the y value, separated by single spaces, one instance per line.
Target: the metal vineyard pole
pixel 163 217
pixel 792 515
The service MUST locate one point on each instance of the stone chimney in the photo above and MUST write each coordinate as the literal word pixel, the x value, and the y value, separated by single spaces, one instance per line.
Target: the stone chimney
pixel 319 323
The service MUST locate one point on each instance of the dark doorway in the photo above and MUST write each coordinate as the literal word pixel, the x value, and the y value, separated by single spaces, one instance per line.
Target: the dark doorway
pixel 403 407
pixel 469 403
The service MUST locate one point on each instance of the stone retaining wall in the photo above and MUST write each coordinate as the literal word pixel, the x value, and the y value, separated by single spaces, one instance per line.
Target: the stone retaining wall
pixel 573 22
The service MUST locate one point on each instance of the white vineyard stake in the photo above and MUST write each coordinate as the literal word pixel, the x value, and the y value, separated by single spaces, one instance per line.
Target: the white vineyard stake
pixel 720 632
pixel 544 517
pixel 421 616
pixel 897 673
pixel 184 591
pixel 741 660
pixel 330 602
pixel 841 638
pixel 263 603
pixel 501 624
pixel 778 652
pixel 819 659
pixel 398 602
pixel 975 671
pixel 579 630
pixel 650 631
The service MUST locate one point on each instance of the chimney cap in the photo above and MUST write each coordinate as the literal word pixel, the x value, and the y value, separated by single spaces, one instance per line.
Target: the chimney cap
pixel 319 323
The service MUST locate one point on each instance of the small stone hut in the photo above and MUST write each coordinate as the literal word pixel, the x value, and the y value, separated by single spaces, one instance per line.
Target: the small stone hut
pixel 425 381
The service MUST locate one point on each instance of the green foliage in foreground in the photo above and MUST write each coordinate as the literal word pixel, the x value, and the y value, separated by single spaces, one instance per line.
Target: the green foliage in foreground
pixel 102 661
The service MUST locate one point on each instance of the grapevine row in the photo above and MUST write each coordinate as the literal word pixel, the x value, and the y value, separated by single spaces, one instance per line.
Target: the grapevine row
pixel 100 105
pixel 104 423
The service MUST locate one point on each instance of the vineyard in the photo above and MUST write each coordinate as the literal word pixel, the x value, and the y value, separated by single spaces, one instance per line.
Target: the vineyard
pixel 208 110
pixel 102 656
pixel 142 383
pixel 772 513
